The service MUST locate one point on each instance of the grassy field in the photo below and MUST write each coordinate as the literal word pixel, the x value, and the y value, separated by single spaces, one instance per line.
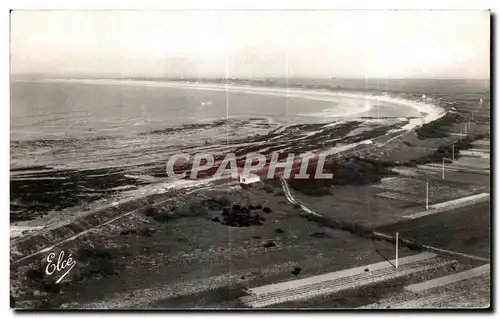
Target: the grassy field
pixel 465 230
pixel 139 255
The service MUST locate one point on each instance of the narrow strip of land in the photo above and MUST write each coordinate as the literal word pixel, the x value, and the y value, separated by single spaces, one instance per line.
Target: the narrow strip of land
pixel 441 281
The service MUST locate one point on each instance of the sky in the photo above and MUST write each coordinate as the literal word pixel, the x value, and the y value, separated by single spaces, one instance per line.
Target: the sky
pixel 253 44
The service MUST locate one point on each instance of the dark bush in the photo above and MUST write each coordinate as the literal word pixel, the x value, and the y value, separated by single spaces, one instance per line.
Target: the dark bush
pixel 163 217
pixel 320 235
pixel 150 211
pixel 269 244
pixel 241 217
pixel 128 232
pixel 192 209
pixel 296 271
pixel 148 232
pixel 217 203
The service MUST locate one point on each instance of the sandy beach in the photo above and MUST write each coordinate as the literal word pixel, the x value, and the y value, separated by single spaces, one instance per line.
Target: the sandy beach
pixel 363 102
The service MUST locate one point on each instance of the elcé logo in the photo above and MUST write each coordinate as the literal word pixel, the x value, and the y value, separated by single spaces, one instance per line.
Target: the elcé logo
pixel 60 265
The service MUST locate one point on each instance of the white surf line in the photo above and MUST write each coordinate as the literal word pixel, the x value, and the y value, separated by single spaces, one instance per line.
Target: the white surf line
pixel 451 205
pixel 432 112
pixel 294 284
pixel 450 252
pixel 442 281
pixel 303 94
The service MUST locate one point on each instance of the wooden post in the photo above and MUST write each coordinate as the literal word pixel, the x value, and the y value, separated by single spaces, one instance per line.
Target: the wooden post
pixel 442 171
pixel 397 250
pixel 427 195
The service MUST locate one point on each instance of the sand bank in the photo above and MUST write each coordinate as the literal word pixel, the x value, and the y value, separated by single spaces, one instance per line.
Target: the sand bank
pixel 356 103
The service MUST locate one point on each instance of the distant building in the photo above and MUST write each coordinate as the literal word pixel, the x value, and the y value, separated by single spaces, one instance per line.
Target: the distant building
pixel 249 179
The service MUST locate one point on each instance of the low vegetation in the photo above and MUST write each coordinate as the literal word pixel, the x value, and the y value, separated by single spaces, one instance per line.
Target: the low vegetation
pixel 97 262
pixel 358 230
pixel 193 208
pixel 445 151
pixel 350 171
pixel 440 127
pixel 241 216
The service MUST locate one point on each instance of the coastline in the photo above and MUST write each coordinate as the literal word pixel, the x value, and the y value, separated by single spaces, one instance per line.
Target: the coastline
pixel 432 112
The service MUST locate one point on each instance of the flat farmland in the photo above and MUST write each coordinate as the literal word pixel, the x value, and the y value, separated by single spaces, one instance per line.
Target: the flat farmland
pixel 465 230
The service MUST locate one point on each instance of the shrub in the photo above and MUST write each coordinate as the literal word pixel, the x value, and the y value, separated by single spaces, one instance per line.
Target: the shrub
pixel 269 244
pixel 150 211
pixel 192 209
pixel 268 188
pixel 217 203
pixel 267 210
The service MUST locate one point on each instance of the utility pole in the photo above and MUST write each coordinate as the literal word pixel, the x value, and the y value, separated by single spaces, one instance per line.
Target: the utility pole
pixel 453 151
pixel 442 174
pixel 465 128
pixel 427 195
pixel 397 250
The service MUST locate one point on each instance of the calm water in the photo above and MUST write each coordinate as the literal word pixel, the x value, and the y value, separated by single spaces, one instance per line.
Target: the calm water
pixel 75 110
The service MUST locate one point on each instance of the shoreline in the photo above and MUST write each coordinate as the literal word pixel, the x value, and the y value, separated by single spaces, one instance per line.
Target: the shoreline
pixel 432 112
